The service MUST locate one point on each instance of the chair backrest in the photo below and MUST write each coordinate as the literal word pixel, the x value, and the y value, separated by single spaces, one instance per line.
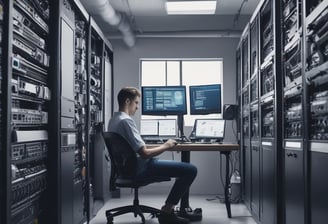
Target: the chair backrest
pixel 123 157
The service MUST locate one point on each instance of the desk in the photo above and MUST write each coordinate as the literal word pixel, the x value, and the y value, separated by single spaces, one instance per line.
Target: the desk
pixel 224 149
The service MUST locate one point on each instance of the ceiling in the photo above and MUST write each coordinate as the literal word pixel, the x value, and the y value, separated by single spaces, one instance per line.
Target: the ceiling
pixel 149 18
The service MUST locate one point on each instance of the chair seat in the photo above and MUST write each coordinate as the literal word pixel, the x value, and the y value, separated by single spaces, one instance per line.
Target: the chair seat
pixel 129 183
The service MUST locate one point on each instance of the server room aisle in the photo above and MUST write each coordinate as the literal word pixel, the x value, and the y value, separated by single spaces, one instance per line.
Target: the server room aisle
pixel 214 212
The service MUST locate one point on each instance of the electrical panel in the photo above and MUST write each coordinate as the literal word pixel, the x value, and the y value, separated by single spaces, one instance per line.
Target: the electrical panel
pixel 29 110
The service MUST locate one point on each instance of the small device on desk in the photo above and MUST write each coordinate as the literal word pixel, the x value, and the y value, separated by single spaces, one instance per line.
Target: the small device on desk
pixel 208 131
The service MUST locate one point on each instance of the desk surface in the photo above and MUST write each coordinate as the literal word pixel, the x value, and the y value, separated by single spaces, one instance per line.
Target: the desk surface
pixel 202 147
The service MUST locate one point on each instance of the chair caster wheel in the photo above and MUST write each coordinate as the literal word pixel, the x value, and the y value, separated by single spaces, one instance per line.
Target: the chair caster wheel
pixel 110 218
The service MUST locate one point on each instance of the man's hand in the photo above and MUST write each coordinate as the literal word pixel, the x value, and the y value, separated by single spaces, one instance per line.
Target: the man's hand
pixel 170 143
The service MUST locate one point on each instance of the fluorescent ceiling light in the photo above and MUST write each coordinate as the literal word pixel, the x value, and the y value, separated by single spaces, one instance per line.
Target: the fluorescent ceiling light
pixel 190 7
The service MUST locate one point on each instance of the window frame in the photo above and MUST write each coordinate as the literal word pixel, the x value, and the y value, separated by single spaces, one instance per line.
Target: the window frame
pixel 188 119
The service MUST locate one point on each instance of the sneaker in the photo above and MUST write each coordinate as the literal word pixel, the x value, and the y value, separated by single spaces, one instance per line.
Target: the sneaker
pixel 171 218
pixel 192 215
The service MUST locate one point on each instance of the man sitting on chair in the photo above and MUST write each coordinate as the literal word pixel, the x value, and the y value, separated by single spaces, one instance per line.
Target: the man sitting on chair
pixel 148 166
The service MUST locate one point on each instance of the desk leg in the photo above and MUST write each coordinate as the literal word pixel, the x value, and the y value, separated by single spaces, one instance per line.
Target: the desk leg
pixel 227 185
pixel 184 203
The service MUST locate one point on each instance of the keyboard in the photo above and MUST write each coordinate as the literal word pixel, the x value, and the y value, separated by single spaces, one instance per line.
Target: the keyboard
pixel 159 139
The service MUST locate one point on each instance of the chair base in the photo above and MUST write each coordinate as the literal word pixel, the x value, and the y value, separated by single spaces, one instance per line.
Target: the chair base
pixel 135 209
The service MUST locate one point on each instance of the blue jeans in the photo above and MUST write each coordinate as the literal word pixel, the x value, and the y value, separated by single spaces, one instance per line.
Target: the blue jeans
pixel 184 173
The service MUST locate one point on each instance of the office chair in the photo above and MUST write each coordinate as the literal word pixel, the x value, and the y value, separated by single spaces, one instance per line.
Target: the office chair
pixel 123 172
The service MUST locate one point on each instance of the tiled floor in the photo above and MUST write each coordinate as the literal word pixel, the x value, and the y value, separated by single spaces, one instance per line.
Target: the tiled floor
pixel 214 212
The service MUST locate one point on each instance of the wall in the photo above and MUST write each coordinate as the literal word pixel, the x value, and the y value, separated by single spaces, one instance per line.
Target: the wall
pixel 126 73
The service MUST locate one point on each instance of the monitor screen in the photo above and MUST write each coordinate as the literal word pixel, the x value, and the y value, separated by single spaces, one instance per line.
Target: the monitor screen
pixel 163 100
pixel 205 99
pixel 158 127
pixel 209 128
pixel 167 127
pixel 149 127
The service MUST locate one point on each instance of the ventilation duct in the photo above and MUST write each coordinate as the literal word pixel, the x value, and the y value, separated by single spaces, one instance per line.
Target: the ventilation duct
pixel 108 14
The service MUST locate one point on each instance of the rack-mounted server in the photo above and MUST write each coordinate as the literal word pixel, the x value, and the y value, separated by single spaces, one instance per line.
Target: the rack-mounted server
pixel 29 112
pixel 266 30
pixel 316 73
pixel 81 107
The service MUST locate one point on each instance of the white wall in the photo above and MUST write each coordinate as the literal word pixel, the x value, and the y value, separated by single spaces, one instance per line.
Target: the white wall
pixel 126 73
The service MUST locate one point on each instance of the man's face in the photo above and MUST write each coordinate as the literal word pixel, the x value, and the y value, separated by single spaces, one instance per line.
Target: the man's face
pixel 133 105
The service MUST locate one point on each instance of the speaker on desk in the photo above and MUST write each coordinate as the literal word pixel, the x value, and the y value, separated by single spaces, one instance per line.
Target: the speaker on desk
pixel 229 111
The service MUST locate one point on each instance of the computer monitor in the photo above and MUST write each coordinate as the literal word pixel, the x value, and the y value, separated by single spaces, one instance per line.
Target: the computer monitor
pixel 163 100
pixel 205 99
pixel 167 127
pixel 149 127
pixel 209 129
pixel 158 128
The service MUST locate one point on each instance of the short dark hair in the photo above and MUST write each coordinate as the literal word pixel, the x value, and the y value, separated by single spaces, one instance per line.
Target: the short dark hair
pixel 127 93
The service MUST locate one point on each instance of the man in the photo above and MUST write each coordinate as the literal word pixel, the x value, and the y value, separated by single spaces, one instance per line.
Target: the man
pixel 185 173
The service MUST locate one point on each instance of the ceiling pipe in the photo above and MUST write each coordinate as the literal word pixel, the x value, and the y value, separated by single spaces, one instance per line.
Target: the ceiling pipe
pixel 187 34
pixel 108 14
pixel 191 34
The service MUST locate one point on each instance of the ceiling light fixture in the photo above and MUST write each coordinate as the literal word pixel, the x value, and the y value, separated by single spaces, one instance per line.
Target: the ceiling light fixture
pixel 190 7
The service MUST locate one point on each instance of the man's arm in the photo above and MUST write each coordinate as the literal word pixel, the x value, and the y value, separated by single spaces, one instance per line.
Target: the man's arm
pixel 147 153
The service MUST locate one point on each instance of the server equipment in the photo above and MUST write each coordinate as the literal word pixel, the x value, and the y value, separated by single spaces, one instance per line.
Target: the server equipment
pixel 30 93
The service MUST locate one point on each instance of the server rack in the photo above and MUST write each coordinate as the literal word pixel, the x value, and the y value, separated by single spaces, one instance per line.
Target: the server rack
pixel 100 59
pixel 27 100
pixel 254 118
pixel 261 114
pixel 316 70
pixel 78 80
pixel 44 111
pixel 245 126
pixel 293 121
pixel 238 118
pixel 67 123
pixel 81 107
pixel 292 111
pixel 3 68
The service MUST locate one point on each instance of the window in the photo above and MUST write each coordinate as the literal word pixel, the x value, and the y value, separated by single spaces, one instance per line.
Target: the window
pixel 187 72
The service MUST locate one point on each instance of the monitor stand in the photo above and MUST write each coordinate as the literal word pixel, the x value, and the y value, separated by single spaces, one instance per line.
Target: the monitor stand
pixel 185 157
